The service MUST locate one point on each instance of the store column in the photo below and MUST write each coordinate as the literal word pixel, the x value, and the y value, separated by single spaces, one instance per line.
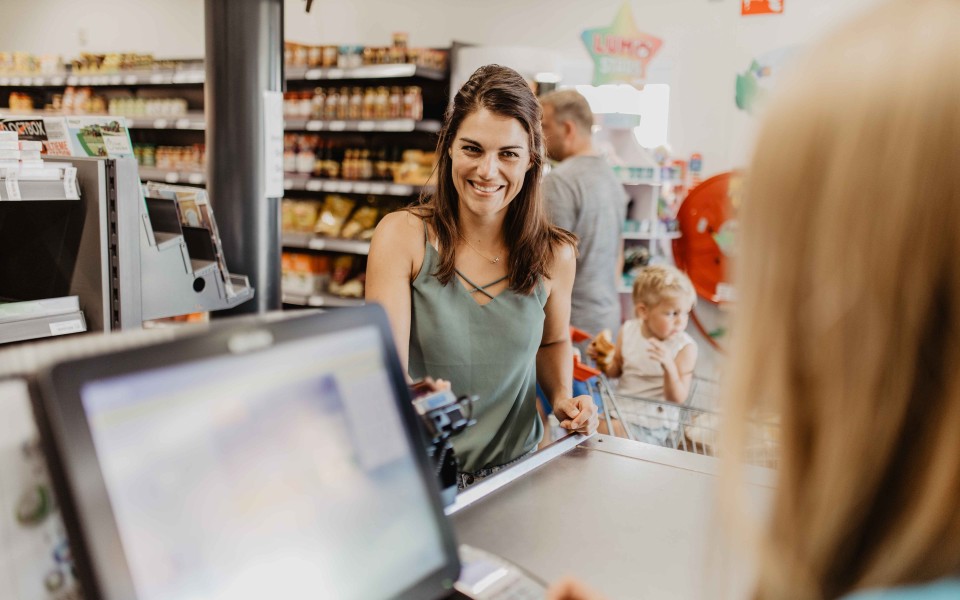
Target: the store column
pixel 244 54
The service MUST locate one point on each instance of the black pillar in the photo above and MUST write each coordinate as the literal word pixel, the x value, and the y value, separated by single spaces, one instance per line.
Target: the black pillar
pixel 244 58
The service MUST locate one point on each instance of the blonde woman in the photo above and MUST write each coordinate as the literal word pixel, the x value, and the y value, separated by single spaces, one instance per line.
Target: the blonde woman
pixel 849 328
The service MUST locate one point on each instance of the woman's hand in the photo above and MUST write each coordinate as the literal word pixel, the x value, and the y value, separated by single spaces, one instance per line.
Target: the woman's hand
pixel 427 385
pixel 577 415
pixel 569 588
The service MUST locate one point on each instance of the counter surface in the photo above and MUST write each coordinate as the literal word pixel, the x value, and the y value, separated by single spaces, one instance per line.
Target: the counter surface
pixel 631 519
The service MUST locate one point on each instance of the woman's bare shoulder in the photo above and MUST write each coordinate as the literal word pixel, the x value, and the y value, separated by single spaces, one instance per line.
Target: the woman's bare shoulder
pixel 401 227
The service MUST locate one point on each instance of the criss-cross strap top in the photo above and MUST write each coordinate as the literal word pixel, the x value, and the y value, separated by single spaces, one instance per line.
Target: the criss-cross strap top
pixel 488 350
pixel 480 288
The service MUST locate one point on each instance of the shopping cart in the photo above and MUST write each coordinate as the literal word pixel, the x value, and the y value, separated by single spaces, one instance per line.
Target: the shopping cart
pixel 692 427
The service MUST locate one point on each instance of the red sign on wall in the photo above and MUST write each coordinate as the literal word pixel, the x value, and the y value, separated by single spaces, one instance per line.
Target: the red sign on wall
pixel 761 7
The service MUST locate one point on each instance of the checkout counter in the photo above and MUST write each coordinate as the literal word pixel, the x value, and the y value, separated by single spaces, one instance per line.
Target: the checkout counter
pixel 630 519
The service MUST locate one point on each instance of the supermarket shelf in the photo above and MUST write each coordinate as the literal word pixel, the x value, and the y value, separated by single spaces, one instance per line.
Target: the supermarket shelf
pixel 365 72
pixel 428 125
pixel 151 77
pixel 377 188
pixel 172 176
pixel 324 300
pixel 197 76
pixel 664 235
pixel 191 121
pixel 312 241
pixel 42 327
pixel 641 182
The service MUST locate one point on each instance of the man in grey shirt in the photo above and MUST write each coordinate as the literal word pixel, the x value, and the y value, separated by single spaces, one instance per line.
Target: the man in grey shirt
pixel 584 196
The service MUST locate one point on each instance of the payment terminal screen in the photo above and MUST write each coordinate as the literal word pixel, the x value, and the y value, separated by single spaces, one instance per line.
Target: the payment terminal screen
pixel 278 474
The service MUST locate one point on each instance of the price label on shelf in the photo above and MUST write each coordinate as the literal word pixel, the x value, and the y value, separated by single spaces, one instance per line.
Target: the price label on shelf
pixel 12 184
pixel 345 187
pixel 330 186
pixel 4 81
pixel 56 81
pixel 64 327
pixel 195 77
pixel 72 80
pixel 39 81
pixel 195 178
pixel 313 74
pixel 361 188
pixel 365 126
pixel 86 80
pixel 130 80
pixel 400 190
pixel 179 77
pixel 116 79
pixel 70 183
pixel 314 125
pixel 156 79
pixel 15 81
pixel 397 125
pixel 172 177
pixel 317 243
pixel 288 184
pixel 314 186
pixel 183 124
pixel 335 74
pixel 338 125
pixel 378 188
pixel 160 124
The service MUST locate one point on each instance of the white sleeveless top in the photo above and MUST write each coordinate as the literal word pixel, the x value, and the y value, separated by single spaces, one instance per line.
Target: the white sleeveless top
pixel 642 376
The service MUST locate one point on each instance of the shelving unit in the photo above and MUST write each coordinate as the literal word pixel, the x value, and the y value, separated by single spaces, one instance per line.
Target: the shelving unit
pixel 643 213
pixel 381 132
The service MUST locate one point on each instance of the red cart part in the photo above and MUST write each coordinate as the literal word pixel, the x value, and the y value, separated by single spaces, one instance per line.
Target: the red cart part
pixel 582 372
pixel 578 335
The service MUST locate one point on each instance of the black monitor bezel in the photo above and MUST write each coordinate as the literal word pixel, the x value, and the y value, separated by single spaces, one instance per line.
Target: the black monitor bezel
pixel 100 562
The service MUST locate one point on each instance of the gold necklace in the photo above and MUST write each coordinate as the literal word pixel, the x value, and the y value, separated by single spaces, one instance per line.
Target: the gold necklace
pixel 493 260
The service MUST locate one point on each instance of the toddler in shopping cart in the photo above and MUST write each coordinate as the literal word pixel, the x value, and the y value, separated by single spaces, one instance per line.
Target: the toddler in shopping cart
pixel 654 356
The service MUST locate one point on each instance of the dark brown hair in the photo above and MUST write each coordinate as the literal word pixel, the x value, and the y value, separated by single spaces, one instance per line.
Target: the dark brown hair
pixel 528 233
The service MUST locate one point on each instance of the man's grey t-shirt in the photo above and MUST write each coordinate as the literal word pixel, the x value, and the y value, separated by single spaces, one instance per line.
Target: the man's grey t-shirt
pixel 584 196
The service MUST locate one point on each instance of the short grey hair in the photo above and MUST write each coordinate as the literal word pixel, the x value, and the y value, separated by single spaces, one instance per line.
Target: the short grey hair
pixel 570 105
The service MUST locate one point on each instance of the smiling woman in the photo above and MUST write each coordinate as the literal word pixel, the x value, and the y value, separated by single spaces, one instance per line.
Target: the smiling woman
pixel 477 282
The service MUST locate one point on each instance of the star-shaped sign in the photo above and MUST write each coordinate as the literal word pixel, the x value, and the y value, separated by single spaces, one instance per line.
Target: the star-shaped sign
pixel 620 52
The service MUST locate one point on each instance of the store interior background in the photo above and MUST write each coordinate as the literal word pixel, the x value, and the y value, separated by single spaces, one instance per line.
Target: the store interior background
pixel 706 44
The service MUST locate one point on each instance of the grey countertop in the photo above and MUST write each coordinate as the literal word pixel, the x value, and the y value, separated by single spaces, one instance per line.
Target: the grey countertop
pixel 632 520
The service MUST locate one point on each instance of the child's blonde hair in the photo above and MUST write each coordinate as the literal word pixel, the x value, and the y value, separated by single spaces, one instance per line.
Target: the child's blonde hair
pixel 658 282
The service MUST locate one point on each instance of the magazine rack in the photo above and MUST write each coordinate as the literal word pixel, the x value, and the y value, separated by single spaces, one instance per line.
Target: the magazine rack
pixel 130 267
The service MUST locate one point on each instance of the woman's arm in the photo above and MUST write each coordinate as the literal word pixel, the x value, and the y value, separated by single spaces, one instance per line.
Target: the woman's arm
pixel 396 255
pixel 677 373
pixel 555 356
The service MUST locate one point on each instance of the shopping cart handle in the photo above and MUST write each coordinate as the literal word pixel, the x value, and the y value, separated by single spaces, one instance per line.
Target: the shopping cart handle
pixel 582 372
pixel 578 335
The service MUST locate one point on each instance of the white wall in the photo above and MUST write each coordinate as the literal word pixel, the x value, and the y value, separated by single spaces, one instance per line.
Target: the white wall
pixel 706 42
pixel 165 28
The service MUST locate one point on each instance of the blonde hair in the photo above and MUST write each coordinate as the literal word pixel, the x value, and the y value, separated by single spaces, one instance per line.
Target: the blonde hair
pixel 848 323
pixel 658 282
pixel 570 105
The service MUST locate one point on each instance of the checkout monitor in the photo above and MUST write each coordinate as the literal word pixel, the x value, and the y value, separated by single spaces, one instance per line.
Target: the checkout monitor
pixel 275 460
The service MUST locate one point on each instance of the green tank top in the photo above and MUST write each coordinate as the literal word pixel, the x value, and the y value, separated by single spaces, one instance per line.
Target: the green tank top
pixel 489 351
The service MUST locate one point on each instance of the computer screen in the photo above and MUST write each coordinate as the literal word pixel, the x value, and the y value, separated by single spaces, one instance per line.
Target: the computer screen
pixel 283 472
